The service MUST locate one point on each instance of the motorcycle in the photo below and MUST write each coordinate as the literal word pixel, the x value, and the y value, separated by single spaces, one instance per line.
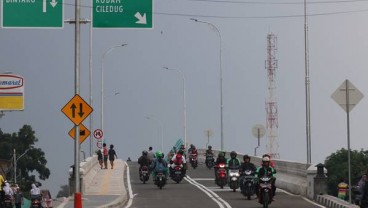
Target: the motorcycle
pixel 8 202
pixel 247 184
pixel 210 161
pixel 160 180
pixel 36 201
pixel 221 175
pixel 234 179
pixel 194 160
pixel 265 191
pixel 144 174
pixel 177 174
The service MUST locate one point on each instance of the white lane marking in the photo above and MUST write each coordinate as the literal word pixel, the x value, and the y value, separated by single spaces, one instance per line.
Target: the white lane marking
pixel 312 202
pixel 203 179
pixel 209 193
pixel 129 188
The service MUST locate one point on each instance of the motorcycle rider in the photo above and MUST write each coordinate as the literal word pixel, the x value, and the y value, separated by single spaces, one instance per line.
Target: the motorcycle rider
pixel 193 151
pixel 233 162
pixel 158 165
pixel 143 160
pixel 266 170
pixel 151 154
pixel 178 159
pixel 8 191
pixel 35 193
pixel 220 159
pixel 247 165
pixel 209 151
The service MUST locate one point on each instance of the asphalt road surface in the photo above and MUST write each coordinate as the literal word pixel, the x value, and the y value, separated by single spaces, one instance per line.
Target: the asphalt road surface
pixel 199 190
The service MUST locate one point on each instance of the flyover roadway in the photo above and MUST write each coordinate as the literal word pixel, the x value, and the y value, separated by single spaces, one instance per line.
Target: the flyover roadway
pixel 121 187
pixel 199 190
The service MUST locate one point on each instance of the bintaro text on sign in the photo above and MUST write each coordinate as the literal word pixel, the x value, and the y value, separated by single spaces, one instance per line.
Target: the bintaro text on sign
pixel 11 92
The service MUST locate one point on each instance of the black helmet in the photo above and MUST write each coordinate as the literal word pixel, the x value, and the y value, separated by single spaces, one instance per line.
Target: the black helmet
pixel 246 157
pixel 181 152
pixel 233 154
pixel 209 147
pixel 144 152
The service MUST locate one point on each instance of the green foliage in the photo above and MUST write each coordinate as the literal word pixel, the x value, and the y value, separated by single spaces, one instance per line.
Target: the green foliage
pixel 337 167
pixel 64 192
pixel 33 161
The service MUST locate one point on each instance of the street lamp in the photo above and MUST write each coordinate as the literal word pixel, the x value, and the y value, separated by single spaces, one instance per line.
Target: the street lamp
pixel 161 130
pixel 15 163
pixel 184 101
pixel 102 81
pixel 221 90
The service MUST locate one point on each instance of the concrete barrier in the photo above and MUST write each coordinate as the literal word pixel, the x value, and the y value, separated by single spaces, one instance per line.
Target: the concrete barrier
pixel 86 171
pixel 296 178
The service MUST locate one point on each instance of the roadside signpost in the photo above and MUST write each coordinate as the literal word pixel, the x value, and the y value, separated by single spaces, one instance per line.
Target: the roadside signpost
pixel 11 92
pixel 122 14
pixel 32 13
pixel 77 109
pixel 347 96
pixel 98 133
pixel 83 133
pixel 258 131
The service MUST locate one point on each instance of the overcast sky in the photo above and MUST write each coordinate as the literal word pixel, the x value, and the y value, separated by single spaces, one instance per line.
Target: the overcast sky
pixel 136 86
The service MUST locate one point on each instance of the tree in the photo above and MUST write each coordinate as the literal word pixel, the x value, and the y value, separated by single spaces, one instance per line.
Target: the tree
pixel 33 161
pixel 337 167
pixel 64 192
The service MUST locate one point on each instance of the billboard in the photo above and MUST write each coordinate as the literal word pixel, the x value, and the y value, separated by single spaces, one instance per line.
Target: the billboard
pixel 11 92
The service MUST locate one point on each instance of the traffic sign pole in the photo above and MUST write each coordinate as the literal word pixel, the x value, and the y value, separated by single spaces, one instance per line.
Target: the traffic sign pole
pixel 77 194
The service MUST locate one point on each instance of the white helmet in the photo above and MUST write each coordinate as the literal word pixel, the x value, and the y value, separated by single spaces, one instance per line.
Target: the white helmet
pixel 265 159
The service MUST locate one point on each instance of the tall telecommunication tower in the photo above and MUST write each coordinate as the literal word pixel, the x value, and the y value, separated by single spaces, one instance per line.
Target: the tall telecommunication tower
pixel 272 123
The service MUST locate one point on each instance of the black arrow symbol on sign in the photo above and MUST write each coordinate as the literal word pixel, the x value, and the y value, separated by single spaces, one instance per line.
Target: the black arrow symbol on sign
pixel 82 133
pixel 81 110
pixel 73 107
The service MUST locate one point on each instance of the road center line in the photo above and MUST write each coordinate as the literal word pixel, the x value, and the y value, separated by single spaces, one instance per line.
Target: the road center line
pixel 222 203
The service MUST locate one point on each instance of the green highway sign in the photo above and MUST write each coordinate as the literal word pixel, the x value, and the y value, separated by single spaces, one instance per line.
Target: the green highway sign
pixel 32 13
pixel 122 14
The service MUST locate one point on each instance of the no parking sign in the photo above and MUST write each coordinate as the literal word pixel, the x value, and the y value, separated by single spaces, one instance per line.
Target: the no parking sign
pixel 98 134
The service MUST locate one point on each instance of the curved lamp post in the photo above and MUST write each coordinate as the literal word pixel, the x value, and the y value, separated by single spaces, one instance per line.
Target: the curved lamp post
pixel 102 81
pixel 221 90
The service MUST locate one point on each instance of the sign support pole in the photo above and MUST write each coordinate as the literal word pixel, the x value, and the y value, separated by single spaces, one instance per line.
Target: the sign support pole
pixel 77 194
pixel 348 132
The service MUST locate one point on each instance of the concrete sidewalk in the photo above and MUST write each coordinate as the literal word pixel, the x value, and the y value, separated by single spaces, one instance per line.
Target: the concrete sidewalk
pixel 107 188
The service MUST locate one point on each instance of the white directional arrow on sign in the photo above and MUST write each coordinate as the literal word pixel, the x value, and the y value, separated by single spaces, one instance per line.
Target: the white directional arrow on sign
pixel 53 3
pixel 141 19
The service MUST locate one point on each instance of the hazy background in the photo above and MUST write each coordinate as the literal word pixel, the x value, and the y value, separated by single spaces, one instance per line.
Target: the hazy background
pixel 338 50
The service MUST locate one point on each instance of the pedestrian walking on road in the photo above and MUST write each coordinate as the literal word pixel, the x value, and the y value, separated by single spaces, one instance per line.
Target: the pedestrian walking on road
pixel 100 158
pixel 112 155
pixel 105 155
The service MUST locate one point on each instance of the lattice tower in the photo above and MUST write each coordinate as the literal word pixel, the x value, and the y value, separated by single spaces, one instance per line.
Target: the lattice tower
pixel 272 123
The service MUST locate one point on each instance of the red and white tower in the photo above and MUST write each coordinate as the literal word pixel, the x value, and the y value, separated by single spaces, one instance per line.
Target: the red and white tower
pixel 272 123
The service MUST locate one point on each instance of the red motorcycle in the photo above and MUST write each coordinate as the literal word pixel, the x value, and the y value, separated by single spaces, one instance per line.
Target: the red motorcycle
pixel 194 160
pixel 221 175
pixel 265 191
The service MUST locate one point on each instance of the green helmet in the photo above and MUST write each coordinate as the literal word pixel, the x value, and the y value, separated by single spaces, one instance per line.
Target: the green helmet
pixel 159 154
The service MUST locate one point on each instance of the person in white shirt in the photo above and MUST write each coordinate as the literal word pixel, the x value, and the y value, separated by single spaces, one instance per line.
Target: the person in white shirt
pixel 8 190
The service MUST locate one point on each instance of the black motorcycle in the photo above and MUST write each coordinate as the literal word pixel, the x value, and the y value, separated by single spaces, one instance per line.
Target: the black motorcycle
pixel 177 173
pixel 247 184
pixel 8 201
pixel 144 174
pixel 160 180
pixel 210 161
pixel 265 191
pixel 36 201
